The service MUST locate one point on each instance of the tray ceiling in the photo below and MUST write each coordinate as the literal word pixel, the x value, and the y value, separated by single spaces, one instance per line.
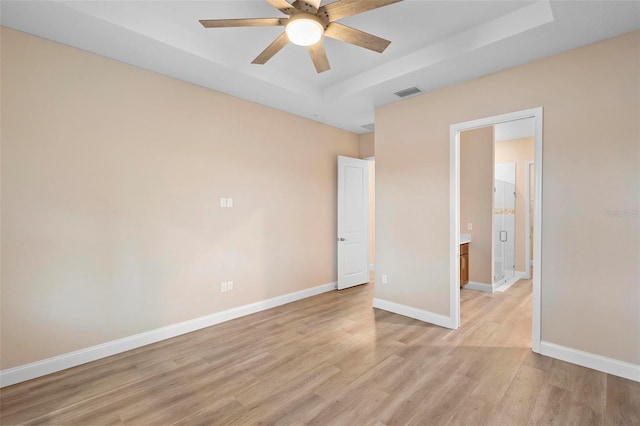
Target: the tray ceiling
pixel 434 44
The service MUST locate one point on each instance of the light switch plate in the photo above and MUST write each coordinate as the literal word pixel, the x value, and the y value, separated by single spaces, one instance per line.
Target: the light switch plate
pixel 229 202
pixel 223 202
pixel 469 226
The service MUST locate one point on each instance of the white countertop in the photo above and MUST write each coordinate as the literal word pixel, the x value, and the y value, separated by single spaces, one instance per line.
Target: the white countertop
pixel 465 238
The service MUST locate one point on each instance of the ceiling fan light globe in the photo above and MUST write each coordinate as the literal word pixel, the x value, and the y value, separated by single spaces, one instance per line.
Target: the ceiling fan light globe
pixel 304 31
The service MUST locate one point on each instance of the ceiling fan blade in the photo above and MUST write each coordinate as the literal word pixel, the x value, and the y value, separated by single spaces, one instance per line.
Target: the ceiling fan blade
pixel 255 22
pixel 319 57
pixel 283 6
pixel 272 49
pixel 309 6
pixel 356 37
pixel 343 8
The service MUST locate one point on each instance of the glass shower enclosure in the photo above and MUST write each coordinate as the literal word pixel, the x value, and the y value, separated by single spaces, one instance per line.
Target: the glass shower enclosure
pixel 504 223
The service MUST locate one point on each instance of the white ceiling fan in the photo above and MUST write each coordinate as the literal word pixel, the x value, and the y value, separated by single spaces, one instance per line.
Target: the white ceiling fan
pixel 306 25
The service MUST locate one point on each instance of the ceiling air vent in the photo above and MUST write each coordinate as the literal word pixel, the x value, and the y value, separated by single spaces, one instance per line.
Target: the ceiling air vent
pixel 369 127
pixel 407 92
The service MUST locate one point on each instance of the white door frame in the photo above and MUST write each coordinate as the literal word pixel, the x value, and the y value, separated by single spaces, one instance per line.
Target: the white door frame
pixel 527 219
pixel 454 210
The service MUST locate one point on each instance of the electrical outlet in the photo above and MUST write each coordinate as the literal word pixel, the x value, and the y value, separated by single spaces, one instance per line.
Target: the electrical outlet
pixel 230 286
pixel 384 279
pixel 224 287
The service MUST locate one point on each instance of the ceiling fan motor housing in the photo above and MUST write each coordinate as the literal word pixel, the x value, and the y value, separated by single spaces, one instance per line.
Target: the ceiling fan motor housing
pixel 304 29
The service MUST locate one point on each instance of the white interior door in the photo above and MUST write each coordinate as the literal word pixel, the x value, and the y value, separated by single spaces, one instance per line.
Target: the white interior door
pixel 353 222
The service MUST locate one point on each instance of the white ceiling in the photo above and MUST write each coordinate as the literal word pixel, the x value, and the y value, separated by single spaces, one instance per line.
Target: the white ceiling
pixel 434 44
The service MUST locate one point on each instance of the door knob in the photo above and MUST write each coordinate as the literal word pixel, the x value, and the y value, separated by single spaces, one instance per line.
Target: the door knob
pixel 342 239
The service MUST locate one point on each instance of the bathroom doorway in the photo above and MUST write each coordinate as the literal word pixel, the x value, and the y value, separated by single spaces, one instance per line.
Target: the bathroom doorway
pixel 513 155
pixel 504 263
pixel 493 194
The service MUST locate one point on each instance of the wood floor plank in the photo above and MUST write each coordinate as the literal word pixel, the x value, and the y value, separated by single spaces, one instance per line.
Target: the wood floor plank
pixel 494 373
pixel 590 394
pixel 218 412
pixel 623 402
pixel 425 385
pixel 552 407
pixel 440 408
pixel 521 396
pixel 333 360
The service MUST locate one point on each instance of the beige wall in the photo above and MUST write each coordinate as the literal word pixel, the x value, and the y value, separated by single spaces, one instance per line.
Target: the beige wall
pixel 111 179
pixel 476 200
pixel 367 149
pixel 518 151
pixel 591 274
pixel 367 145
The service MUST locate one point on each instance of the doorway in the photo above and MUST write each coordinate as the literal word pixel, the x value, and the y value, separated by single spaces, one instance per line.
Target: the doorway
pixel 455 130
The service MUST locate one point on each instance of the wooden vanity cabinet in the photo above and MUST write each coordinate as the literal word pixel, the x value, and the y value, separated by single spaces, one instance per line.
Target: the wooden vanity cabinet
pixel 464 264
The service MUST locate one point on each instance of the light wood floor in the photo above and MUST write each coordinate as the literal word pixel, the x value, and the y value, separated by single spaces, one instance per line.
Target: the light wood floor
pixel 333 360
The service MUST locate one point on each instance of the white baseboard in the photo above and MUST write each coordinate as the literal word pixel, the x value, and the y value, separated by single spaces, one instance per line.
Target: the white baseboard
pixel 521 274
pixel 502 287
pixel 51 365
pixel 372 267
pixel 589 360
pixel 472 285
pixel 415 313
pixel 491 288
